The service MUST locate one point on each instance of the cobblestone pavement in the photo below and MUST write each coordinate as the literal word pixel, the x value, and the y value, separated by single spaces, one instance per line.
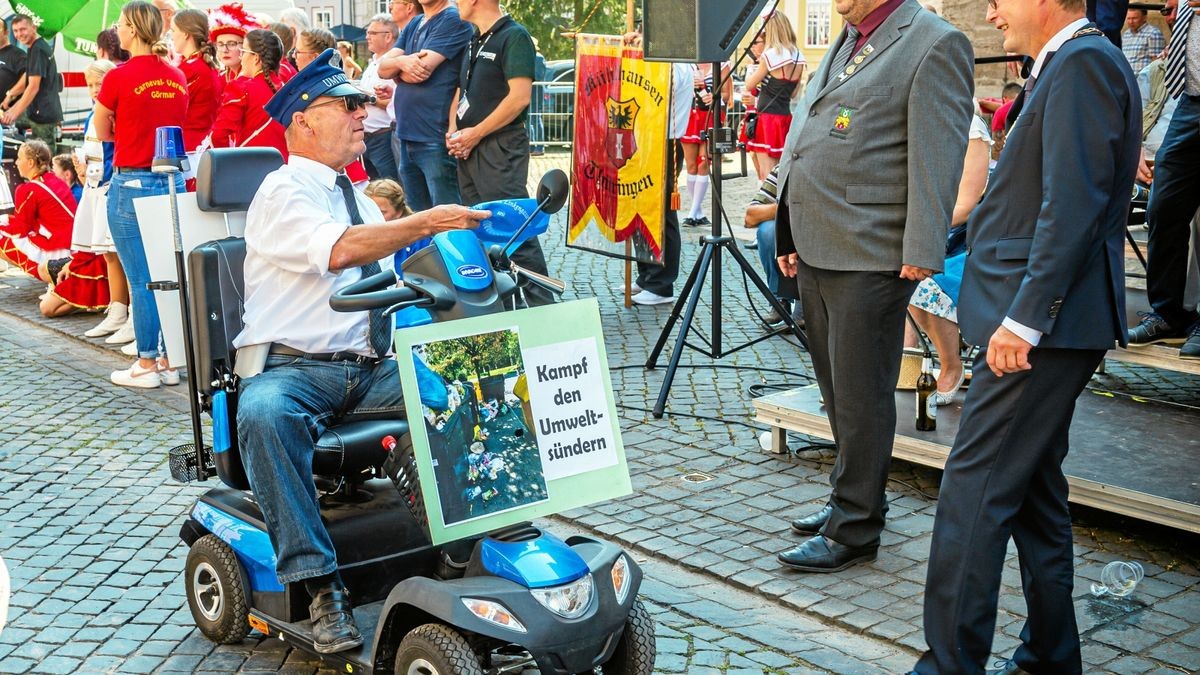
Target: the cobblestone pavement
pixel 88 516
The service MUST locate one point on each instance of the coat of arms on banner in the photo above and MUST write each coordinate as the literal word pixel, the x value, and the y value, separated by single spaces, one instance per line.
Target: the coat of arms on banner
pixel 619 138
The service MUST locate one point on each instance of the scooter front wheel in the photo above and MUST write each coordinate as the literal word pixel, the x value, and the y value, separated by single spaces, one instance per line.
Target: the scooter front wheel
pixel 636 649
pixel 215 592
pixel 436 649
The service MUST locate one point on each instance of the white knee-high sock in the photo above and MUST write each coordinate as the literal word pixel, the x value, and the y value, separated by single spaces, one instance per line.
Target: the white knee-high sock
pixel 691 185
pixel 698 191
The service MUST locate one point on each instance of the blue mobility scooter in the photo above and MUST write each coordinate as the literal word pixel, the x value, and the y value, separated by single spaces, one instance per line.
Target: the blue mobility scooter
pixel 500 603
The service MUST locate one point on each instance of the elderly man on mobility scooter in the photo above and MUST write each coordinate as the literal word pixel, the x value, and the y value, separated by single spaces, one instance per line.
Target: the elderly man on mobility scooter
pixel 301 248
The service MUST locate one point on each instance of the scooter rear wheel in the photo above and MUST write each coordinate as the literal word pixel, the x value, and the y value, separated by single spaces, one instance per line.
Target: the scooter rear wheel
pixel 436 649
pixel 636 649
pixel 215 593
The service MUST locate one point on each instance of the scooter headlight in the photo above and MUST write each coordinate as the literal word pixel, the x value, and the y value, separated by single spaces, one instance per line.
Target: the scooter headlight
pixel 569 601
pixel 494 612
pixel 620 578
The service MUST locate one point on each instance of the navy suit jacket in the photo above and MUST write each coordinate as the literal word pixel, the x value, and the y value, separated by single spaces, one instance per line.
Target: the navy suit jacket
pixel 1046 246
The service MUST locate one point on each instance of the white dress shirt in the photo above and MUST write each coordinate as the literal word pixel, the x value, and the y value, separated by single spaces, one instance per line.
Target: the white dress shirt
pixel 295 219
pixel 377 118
pixel 1032 335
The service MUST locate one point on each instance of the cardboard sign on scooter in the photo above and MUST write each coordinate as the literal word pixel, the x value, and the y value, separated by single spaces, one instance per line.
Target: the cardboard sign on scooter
pixel 523 423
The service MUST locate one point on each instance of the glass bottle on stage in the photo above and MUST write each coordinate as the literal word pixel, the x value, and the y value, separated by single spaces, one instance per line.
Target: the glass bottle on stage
pixel 926 406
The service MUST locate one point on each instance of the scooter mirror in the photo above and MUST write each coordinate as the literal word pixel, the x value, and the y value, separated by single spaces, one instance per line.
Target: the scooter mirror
pixel 553 190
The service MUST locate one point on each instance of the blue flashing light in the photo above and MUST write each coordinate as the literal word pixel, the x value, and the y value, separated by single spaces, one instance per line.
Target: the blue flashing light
pixel 537 563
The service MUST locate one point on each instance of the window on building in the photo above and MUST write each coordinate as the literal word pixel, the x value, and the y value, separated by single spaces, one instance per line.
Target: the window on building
pixel 817 25
pixel 383 6
pixel 323 18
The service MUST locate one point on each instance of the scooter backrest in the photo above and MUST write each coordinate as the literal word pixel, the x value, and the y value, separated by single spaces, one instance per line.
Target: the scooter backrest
pixel 217 297
pixel 227 178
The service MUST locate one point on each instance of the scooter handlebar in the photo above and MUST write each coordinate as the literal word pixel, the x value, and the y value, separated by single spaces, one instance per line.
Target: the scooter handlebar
pixel 373 293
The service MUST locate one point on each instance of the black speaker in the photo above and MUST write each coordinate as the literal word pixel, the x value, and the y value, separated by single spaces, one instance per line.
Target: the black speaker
pixel 695 31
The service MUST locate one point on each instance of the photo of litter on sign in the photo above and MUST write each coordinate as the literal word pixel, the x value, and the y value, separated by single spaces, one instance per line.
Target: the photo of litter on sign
pixel 475 400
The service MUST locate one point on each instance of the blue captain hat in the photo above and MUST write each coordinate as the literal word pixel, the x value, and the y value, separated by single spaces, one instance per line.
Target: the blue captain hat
pixel 322 77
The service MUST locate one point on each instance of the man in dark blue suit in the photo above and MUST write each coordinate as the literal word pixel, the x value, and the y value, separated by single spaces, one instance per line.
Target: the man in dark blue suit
pixel 1044 290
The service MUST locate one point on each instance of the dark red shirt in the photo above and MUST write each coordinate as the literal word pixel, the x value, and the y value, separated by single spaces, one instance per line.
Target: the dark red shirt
pixel 869 23
pixel 144 93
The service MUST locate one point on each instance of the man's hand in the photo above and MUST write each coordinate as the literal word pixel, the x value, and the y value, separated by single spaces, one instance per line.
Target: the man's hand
pixel 1007 353
pixel 454 217
pixel 383 95
pixel 1144 173
pixel 913 273
pixel 788 264
pixel 460 143
pixel 9 117
pixel 412 69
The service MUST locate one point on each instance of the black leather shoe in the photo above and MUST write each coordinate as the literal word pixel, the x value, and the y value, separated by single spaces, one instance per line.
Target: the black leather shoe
pixel 826 555
pixel 812 523
pixel 1006 667
pixel 332 621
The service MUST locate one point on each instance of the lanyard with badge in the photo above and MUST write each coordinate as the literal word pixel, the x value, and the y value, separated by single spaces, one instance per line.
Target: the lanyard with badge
pixel 463 104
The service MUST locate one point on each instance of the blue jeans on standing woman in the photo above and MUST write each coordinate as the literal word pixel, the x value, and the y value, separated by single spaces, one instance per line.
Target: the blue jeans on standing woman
pixel 127 239
pixel 429 175
pixel 281 413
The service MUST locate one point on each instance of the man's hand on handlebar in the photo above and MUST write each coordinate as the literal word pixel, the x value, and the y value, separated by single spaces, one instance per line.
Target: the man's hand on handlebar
pixel 453 217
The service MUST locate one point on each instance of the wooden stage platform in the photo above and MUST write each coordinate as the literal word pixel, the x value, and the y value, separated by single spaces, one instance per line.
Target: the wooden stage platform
pixel 1129 455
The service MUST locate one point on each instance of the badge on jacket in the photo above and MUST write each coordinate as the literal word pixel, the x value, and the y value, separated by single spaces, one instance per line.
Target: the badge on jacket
pixel 841 123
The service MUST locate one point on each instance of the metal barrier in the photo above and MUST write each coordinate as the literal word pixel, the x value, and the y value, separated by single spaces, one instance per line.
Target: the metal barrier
pixel 551 121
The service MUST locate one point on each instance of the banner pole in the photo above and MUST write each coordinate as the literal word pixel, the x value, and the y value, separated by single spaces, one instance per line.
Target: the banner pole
pixel 629 26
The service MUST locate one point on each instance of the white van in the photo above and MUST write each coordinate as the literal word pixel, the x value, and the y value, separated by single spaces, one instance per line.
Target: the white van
pixel 76 103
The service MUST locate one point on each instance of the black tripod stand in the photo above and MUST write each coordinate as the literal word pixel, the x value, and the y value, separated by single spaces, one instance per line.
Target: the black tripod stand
pixel 709 260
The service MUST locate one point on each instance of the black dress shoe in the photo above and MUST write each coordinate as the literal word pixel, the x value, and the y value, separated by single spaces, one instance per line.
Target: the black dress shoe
pixel 812 524
pixel 332 621
pixel 689 222
pixel 826 555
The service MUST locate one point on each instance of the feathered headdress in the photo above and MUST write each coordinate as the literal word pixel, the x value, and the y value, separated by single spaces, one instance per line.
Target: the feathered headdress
pixel 230 19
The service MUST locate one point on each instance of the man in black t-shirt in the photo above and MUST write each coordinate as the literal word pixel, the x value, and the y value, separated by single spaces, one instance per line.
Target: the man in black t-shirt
pixel 12 67
pixel 487 127
pixel 39 102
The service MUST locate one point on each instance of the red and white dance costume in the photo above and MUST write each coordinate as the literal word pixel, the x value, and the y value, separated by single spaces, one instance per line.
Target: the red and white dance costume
pixel 40 228
pixel 699 122
pixel 229 19
pixel 774 104
pixel 242 120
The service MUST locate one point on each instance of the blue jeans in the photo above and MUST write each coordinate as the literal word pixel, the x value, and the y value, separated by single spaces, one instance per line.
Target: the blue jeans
pixel 379 160
pixel 281 414
pixel 765 234
pixel 127 239
pixel 429 175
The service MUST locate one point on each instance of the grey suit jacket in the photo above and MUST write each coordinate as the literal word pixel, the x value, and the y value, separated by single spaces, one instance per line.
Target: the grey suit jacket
pixel 871 166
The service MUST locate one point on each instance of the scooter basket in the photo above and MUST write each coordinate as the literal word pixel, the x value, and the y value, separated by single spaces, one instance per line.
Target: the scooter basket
pixel 401 467
pixel 184 462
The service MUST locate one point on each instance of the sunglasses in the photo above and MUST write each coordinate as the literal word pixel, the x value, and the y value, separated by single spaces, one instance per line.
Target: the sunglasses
pixel 352 102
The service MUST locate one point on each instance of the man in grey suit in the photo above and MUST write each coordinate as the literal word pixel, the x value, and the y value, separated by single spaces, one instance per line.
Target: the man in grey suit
pixel 869 177
pixel 1044 290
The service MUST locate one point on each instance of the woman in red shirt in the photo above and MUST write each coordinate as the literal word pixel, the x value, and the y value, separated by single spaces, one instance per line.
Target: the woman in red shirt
pixel 189 32
pixel 40 228
pixel 242 119
pixel 135 99
pixel 228 25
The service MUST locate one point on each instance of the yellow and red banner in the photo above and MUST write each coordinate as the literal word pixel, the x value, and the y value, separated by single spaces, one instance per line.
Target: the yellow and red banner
pixel 619 163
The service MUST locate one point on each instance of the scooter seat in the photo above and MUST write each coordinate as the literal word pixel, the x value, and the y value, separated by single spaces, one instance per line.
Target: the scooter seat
pixel 353 447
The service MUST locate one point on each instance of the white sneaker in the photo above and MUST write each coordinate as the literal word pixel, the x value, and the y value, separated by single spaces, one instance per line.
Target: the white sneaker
pixel 633 288
pixel 123 334
pixel 130 349
pixel 649 298
pixel 138 377
pixel 114 319
pixel 168 376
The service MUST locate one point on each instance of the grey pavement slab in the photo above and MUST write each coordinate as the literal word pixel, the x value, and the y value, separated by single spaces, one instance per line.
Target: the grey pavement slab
pixel 89 516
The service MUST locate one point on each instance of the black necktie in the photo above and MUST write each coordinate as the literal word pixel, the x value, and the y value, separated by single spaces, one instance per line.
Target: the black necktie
pixel 379 328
